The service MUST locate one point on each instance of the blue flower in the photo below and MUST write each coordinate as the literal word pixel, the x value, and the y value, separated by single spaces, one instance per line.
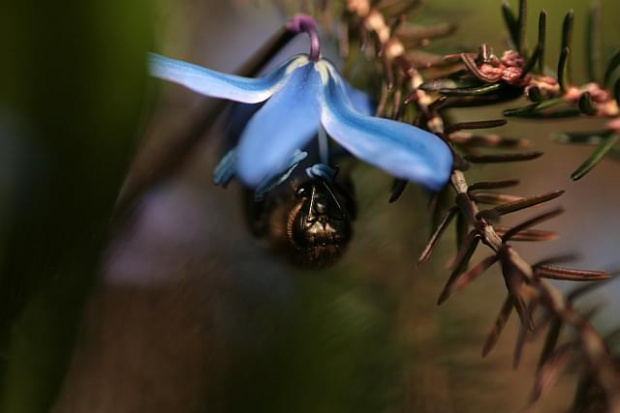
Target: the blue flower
pixel 302 95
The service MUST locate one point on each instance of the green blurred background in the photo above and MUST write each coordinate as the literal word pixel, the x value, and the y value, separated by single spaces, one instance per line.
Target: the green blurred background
pixel 174 307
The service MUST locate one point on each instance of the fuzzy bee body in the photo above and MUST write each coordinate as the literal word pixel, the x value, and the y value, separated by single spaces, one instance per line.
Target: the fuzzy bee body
pixel 309 220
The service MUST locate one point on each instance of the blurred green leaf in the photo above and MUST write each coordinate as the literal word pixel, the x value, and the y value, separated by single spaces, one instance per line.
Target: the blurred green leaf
pixel 593 41
pixel 512 23
pixel 611 68
pixel 474 91
pixel 563 69
pixel 524 111
pixel 604 146
pixel 588 138
pixel 542 39
pixel 335 353
pixel 74 79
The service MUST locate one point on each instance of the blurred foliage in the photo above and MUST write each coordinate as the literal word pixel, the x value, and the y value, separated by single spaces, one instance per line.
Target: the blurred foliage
pixel 333 353
pixel 73 82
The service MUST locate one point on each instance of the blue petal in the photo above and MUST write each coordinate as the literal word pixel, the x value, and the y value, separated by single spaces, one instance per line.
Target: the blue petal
pixel 321 171
pixel 211 83
pixel 359 100
pixel 238 118
pixel 273 181
pixel 225 170
pixel 400 149
pixel 285 123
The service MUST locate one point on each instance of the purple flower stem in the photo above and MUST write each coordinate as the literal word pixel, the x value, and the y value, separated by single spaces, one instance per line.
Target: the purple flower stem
pixel 302 23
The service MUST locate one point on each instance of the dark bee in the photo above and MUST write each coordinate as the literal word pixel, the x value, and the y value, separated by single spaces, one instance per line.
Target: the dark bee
pixel 309 220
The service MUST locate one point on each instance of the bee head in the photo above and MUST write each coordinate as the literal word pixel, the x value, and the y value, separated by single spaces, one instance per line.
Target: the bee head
pixel 320 222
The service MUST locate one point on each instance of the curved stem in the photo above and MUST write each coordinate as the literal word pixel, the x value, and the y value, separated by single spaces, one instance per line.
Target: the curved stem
pixel 306 24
